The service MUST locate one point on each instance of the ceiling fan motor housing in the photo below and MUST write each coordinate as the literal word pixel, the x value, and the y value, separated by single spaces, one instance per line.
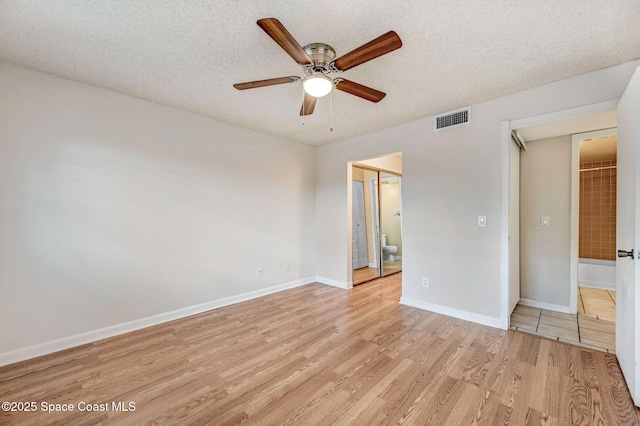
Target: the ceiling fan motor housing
pixel 321 54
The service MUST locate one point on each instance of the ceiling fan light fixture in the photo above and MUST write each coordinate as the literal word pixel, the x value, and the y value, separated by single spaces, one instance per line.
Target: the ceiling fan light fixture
pixel 317 85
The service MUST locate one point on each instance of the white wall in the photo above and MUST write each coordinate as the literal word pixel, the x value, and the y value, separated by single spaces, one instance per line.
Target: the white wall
pixel 114 209
pixel 449 178
pixel 545 251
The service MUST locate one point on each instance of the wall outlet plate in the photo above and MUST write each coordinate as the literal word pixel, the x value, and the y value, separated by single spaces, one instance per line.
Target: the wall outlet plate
pixel 482 221
pixel 259 273
pixel 545 221
pixel 425 282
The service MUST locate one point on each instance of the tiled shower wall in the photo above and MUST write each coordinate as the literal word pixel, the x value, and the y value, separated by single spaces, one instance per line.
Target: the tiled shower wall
pixel 598 210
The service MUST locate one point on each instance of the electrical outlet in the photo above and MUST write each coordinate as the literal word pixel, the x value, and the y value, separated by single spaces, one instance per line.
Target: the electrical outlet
pixel 259 273
pixel 482 221
pixel 288 268
pixel 545 221
pixel 425 282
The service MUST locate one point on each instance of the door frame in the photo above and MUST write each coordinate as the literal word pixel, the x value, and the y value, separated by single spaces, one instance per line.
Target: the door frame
pixel 375 225
pixel 506 127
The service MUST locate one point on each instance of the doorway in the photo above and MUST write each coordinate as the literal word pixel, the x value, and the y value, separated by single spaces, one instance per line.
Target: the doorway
pixel 376 219
pixel 597 223
pixel 627 111
pixel 551 172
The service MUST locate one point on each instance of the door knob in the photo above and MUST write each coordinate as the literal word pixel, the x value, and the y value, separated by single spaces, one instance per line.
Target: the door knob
pixel 624 253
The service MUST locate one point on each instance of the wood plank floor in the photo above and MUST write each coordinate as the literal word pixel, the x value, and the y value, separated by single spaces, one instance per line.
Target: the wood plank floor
pixel 365 274
pixel 317 355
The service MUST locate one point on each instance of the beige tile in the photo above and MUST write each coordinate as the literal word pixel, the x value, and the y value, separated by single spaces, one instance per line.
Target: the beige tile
pixel 607 316
pixel 598 336
pixel 601 309
pixel 519 326
pixel 596 301
pixel 598 344
pixel 552 331
pixel 589 315
pixel 595 293
pixel 561 315
pixel 569 323
pixel 527 310
pixel 596 324
pixel 524 319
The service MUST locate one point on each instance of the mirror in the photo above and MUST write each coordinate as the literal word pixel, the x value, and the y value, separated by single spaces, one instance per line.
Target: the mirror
pixel 372 205
pixel 390 224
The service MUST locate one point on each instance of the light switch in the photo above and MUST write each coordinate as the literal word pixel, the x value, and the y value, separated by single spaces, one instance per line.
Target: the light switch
pixel 545 220
pixel 482 221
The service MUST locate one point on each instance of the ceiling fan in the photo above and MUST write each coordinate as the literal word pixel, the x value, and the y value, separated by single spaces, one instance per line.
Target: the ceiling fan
pixel 318 61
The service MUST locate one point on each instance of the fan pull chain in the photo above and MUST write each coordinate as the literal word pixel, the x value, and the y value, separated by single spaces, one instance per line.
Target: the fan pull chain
pixel 303 115
pixel 331 111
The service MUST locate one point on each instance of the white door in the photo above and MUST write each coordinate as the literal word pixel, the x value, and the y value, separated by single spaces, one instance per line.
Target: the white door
pixel 628 237
pixel 359 230
pixel 514 226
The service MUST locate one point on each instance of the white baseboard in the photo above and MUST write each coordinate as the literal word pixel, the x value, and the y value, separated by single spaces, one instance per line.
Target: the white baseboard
pixel 597 284
pixel 545 305
pixel 334 283
pixel 114 330
pixel 456 313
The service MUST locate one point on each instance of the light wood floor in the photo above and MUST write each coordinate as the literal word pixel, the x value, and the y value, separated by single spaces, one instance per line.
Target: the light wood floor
pixel 317 355
pixel 363 275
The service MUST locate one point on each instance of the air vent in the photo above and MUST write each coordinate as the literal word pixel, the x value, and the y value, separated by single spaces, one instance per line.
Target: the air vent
pixel 452 119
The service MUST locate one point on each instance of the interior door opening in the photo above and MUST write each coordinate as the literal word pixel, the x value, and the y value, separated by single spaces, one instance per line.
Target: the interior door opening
pixel 567 199
pixel 376 219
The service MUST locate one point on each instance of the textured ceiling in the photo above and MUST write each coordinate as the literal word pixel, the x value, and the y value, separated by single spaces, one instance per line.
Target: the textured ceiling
pixel 187 54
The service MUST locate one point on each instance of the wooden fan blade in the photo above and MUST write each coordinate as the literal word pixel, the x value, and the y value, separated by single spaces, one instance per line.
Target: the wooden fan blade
pixel 263 83
pixel 308 104
pixel 280 35
pixel 384 44
pixel 359 90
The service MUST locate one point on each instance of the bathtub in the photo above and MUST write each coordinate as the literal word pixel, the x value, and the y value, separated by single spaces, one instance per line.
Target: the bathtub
pixel 597 273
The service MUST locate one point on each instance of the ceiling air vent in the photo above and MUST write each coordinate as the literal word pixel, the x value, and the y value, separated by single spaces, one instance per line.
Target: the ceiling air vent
pixel 452 119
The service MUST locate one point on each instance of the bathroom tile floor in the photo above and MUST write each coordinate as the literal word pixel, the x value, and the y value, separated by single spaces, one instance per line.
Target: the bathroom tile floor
pixel 597 303
pixel 594 326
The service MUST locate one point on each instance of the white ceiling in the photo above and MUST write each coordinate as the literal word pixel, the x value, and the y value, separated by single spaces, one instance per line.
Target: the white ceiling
pixel 188 54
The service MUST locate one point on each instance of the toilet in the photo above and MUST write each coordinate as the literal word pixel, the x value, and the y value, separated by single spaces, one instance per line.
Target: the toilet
pixel 388 252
